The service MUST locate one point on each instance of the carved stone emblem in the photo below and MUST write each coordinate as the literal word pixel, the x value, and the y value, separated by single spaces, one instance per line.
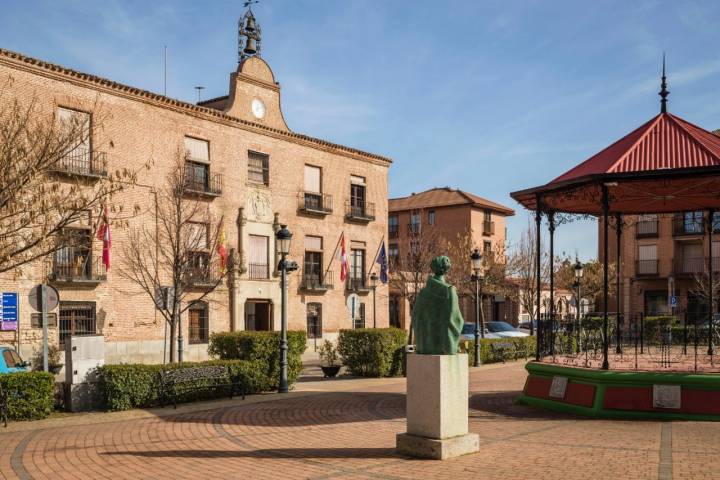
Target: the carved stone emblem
pixel 666 396
pixel 259 206
pixel 558 387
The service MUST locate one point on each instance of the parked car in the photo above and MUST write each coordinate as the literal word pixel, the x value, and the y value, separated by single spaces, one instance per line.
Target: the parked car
pixel 504 330
pixel 10 361
pixel 468 332
pixel 526 325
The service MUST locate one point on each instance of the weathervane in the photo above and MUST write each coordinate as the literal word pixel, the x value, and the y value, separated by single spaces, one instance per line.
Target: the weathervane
pixel 248 34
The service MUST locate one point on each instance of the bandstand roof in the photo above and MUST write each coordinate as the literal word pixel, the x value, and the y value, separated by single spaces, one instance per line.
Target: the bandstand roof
pixel 666 165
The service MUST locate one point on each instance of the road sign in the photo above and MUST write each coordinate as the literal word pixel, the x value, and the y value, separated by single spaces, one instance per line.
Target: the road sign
pixel 353 305
pixel 673 301
pixel 53 298
pixel 9 311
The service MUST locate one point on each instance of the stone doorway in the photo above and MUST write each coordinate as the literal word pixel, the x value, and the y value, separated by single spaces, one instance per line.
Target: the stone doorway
pixel 258 315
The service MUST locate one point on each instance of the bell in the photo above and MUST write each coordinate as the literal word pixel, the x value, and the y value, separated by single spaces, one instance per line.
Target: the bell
pixel 250 46
pixel 250 24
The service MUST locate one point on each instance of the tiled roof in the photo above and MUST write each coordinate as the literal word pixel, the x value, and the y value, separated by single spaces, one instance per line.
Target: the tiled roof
pixel 14 58
pixel 442 197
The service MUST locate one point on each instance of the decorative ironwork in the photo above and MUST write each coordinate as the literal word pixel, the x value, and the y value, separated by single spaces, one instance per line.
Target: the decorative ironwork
pixel 176 384
pixel 360 211
pixel 316 203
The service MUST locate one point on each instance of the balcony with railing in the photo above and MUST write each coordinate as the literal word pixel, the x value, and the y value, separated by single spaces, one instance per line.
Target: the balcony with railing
pixel 209 184
pixel 78 270
pixel 316 281
pixel 646 229
pixel 203 275
pixel 258 271
pixel 413 229
pixel 647 268
pixel 689 266
pixel 357 284
pixel 360 211
pixel 315 203
pixel 687 226
pixel 393 231
pixel 84 163
pixel 488 227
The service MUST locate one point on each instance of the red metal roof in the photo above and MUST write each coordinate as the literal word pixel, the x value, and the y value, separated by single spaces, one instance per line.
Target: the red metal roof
pixel 665 142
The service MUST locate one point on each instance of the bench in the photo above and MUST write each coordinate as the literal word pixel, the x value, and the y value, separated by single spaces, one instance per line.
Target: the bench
pixel 178 381
pixel 500 350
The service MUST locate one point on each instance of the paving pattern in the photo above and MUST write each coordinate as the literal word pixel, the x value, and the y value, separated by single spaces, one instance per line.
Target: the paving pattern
pixel 346 429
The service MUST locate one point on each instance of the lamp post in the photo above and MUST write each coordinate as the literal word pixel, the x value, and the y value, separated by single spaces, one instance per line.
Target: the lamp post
pixel 578 277
pixel 282 246
pixel 373 285
pixel 476 258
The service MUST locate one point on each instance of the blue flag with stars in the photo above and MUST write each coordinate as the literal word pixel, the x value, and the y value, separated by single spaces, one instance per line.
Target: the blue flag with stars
pixel 382 261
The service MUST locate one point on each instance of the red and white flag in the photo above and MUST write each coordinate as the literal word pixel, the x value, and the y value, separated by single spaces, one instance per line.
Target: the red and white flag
pixel 104 235
pixel 343 258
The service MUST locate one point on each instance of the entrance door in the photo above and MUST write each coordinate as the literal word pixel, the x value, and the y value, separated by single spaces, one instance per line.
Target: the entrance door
pixel 258 315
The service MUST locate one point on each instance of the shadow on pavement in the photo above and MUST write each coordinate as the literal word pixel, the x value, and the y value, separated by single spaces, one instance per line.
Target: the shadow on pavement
pixel 267 453
pixel 492 404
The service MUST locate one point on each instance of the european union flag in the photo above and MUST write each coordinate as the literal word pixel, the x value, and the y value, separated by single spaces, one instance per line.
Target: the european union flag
pixel 382 261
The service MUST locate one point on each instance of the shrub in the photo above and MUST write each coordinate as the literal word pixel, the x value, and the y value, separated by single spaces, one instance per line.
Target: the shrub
pixel 522 347
pixel 129 386
pixel 262 347
pixel 372 352
pixel 30 394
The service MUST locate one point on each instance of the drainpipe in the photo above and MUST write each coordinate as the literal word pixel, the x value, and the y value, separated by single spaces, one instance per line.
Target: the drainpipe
pixel 232 287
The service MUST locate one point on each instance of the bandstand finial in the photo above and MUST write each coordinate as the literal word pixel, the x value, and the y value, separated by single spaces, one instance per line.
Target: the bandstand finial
pixel 664 92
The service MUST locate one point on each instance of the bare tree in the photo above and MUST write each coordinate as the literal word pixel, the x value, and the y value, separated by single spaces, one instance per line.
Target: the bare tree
pixel 174 259
pixel 592 281
pixel 39 195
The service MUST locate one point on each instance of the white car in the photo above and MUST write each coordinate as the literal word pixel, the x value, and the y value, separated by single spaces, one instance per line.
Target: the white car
pixel 468 332
pixel 503 330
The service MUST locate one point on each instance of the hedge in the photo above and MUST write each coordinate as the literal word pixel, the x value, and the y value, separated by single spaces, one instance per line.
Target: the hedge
pixel 127 386
pixel 372 352
pixel 522 347
pixel 262 347
pixel 30 394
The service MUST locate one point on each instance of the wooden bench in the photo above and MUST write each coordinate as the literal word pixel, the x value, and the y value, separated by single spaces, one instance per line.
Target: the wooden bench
pixel 500 350
pixel 182 380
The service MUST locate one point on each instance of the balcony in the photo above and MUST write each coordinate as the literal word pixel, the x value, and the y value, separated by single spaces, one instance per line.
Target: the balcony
pixel 315 203
pixel 258 271
pixel 360 211
pixel 413 229
pixel 687 226
pixel 358 285
pixel 393 232
pixel 209 185
pixel 488 228
pixel 646 229
pixel 316 282
pixel 689 266
pixel 78 272
pixel 84 163
pixel 646 268
pixel 203 276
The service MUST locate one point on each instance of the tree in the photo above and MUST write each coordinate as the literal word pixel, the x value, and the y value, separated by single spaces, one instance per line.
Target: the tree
pixel 592 280
pixel 174 258
pixel 38 200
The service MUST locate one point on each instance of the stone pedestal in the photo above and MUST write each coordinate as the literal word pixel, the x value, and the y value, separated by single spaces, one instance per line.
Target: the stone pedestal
pixel 437 408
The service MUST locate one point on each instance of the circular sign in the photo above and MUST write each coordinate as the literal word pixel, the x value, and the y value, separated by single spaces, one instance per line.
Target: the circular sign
pixel 51 294
pixel 353 304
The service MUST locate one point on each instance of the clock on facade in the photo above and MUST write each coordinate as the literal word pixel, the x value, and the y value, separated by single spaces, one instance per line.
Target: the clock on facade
pixel 258 108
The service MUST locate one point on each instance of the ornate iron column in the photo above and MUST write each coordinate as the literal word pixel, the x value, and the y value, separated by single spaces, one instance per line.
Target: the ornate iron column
pixel 538 286
pixel 606 215
pixel 711 285
pixel 551 334
pixel 618 321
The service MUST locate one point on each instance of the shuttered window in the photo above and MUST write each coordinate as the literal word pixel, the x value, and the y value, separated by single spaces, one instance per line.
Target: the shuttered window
pixel 312 179
pixel 197 236
pixel 258 168
pixel 259 257
pixel 77 122
pixel 647 252
pixel 313 243
pixel 197 150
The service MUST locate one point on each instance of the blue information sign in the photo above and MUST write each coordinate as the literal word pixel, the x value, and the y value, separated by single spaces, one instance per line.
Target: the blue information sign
pixel 9 311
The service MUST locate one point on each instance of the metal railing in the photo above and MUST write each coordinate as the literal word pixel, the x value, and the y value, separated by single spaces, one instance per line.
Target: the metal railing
pixel 76 318
pixel 316 281
pixel 315 202
pixel 646 229
pixel 209 184
pixel 78 269
pixel 356 284
pixel 488 227
pixel 393 232
pixel 83 162
pixel 685 226
pixel 364 211
pixel 688 266
pixel 258 271
pixel 203 275
pixel 646 267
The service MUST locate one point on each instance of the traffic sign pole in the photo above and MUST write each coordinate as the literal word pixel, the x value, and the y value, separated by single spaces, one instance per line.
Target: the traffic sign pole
pixel 43 317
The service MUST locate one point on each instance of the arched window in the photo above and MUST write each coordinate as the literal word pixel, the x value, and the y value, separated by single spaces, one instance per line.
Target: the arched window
pixel 198 322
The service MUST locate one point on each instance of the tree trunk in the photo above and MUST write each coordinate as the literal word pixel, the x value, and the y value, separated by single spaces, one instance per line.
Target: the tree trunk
pixel 172 342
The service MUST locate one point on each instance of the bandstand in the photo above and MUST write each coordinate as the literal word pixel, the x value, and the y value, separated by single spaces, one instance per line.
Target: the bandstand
pixel 606 365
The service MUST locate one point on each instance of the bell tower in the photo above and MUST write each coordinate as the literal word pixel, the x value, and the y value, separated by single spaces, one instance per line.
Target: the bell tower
pixel 249 35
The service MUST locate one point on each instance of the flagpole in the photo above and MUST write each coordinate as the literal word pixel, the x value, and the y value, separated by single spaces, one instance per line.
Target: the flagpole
pixel 332 257
pixel 376 254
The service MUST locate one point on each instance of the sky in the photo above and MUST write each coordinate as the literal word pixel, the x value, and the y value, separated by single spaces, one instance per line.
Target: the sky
pixel 486 96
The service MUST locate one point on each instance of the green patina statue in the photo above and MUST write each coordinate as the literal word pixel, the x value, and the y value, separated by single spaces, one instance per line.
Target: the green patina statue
pixel 436 319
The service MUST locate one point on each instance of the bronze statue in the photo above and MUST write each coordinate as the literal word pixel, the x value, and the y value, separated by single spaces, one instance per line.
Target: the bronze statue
pixel 436 319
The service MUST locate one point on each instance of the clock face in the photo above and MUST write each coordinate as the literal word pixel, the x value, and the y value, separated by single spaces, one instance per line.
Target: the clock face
pixel 258 108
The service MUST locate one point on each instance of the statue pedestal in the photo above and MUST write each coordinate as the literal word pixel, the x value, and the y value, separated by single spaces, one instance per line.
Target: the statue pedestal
pixel 437 408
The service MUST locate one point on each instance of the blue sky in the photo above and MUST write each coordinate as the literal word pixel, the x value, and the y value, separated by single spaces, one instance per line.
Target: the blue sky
pixel 487 96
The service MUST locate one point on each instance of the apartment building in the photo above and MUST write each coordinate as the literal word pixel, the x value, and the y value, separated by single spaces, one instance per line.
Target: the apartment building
pixel 449 212
pixel 247 167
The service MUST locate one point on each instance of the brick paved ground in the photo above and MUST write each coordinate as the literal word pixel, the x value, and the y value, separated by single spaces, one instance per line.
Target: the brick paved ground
pixel 346 429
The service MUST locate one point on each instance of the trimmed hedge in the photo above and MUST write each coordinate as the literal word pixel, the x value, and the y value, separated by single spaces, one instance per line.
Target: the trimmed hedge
pixel 30 394
pixel 261 347
pixel 372 352
pixel 522 347
pixel 129 386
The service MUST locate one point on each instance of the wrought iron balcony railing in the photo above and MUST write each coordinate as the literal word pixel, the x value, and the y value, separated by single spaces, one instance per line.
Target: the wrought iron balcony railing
pixel 316 281
pixel 258 271
pixel 209 184
pixel 688 226
pixel 360 211
pixel 393 232
pixel 357 284
pixel 317 203
pixel 646 268
pixel 83 162
pixel 646 229
pixel 689 266
pixel 78 270
pixel 413 228
pixel 203 275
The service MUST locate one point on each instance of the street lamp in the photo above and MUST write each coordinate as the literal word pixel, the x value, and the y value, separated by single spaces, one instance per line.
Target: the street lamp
pixel 282 246
pixel 578 277
pixel 373 285
pixel 476 258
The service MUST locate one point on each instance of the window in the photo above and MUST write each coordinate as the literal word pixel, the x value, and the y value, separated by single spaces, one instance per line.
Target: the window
pixel 314 320
pixel 394 311
pixel 414 247
pixel 12 359
pixel 312 179
pixel 431 217
pixel 313 267
pixel 74 259
pixel 197 150
pixel 76 318
pixel 198 322
pixel 415 222
pixel 693 222
pixel 197 176
pixel 487 250
pixel 357 196
pixel 393 253
pixel 716 222
pixel 359 320
pixel 393 226
pixel 76 122
pixel 487 214
pixel 258 168
pixel 357 268
pixel 259 257
pixel 647 260
pixel 197 236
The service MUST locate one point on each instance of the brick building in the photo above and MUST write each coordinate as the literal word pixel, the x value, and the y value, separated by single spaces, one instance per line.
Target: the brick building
pixel 449 212
pixel 253 171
